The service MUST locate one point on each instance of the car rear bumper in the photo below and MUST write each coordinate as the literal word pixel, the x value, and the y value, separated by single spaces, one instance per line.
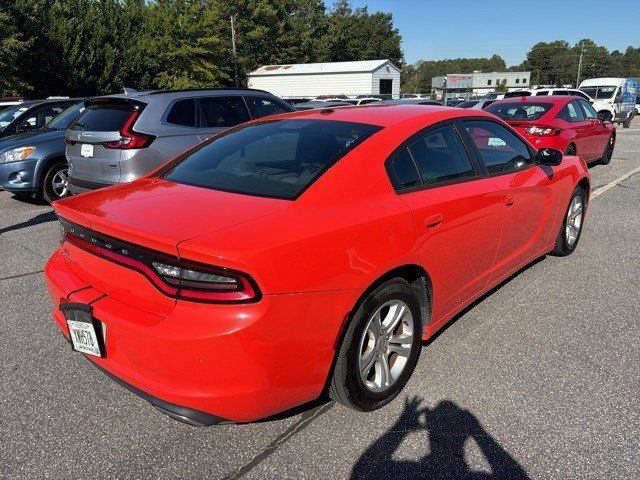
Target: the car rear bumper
pixel 77 185
pixel 18 176
pixel 234 362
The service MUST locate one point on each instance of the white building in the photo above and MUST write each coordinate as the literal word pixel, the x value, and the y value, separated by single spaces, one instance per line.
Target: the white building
pixel 309 80
pixel 479 82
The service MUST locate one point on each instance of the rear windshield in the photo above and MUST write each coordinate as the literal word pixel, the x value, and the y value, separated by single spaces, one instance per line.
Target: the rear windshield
pixel 64 118
pixel 519 111
pixel 467 104
pixel 277 158
pixel 103 117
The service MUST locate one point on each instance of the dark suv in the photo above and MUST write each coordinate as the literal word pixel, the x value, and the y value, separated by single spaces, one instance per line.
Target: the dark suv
pixel 119 138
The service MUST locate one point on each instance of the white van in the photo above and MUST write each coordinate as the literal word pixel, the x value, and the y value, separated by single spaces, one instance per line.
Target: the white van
pixel 534 92
pixel 613 98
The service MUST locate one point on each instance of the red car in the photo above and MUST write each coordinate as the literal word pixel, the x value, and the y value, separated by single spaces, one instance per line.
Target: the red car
pixel 304 252
pixel 565 123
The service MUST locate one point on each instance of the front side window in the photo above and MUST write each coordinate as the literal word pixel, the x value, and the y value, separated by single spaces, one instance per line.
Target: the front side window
pixel 500 150
pixel 523 111
pixel 441 157
pixel 183 113
pixel 222 112
pixel 277 158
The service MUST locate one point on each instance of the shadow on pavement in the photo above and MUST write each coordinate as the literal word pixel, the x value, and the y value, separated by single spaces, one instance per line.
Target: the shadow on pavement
pixel 38 219
pixel 449 427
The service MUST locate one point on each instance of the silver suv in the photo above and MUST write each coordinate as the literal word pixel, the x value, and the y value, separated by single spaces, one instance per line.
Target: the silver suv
pixel 119 138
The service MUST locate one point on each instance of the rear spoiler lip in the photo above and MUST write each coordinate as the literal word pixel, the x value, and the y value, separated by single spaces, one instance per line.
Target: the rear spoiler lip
pixel 98 100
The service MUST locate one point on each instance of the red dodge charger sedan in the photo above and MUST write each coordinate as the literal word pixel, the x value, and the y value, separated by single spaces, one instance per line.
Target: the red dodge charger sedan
pixel 565 123
pixel 304 253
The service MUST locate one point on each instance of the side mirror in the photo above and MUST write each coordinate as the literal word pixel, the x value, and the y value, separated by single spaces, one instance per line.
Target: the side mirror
pixel 549 156
pixel 23 127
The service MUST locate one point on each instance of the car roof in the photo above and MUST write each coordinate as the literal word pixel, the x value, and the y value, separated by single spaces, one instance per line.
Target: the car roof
pixel 146 95
pixel 383 115
pixel 554 99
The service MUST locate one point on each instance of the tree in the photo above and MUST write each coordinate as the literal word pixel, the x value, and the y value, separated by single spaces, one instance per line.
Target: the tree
pixel 11 47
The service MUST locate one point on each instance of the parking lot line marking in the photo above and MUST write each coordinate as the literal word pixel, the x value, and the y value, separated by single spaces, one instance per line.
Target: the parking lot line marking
pixel 604 188
pixel 21 275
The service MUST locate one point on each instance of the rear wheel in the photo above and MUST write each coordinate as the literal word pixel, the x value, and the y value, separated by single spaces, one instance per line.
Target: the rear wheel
pixel 608 151
pixel 380 349
pixel 54 185
pixel 571 229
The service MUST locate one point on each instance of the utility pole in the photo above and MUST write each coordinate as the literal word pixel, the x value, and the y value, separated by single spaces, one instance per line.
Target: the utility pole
pixel 580 63
pixel 233 46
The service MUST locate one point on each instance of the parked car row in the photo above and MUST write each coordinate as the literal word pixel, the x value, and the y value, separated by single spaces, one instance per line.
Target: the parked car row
pixel 115 138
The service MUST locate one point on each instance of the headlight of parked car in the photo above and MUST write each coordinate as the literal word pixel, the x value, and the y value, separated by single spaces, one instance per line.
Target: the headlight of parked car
pixel 16 154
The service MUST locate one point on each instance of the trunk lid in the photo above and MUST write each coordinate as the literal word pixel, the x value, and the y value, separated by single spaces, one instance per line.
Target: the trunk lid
pixel 158 214
pixel 99 123
pixel 154 214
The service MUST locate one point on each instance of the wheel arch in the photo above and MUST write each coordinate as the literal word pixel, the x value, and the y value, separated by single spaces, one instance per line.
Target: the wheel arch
pixel 415 275
pixel 586 184
pixel 43 165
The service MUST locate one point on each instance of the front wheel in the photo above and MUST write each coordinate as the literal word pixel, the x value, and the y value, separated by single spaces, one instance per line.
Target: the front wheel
pixel 569 234
pixel 380 349
pixel 54 185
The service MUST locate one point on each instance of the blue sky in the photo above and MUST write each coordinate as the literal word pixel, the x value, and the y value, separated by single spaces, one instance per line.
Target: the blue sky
pixel 435 30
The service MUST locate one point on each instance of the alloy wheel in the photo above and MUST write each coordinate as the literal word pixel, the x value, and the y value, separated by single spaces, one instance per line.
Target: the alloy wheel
pixel 385 345
pixel 59 183
pixel 574 221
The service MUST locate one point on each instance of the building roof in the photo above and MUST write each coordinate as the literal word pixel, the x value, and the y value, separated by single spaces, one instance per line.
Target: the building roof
pixel 319 68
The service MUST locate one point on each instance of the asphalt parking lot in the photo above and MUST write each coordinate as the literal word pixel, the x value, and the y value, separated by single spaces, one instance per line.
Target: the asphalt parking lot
pixel 539 379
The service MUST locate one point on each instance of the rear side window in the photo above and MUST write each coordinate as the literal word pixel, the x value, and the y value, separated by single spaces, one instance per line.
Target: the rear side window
pixel 271 159
pixel 522 111
pixel 572 112
pixel 103 117
pixel 404 171
pixel 589 111
pixel 500 150
pixel 221 112
pixel 183 113
pixel 441 157
pixel 263 107
pixel 542 93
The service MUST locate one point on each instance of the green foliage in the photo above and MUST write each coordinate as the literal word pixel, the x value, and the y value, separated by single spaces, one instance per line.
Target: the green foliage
pixel 88 47
pixel 550 63
pixel 11 47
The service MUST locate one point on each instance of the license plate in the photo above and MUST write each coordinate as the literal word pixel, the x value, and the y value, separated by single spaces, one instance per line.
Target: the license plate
pixel 86 150
pixel 85 336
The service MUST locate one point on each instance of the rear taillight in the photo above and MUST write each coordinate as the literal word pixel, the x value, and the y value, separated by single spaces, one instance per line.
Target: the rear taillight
pixel 542 130
pixel 172 276
pixel 129 139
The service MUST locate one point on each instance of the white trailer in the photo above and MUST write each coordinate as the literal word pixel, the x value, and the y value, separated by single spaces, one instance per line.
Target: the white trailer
pixel 311 80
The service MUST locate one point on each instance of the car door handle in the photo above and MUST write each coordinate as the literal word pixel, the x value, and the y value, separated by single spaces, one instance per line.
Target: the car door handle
pixel 509 200
pixel 433 220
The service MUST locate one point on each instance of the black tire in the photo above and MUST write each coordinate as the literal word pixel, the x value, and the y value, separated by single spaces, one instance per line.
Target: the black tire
pixel 563 246
pixel 608 151
pixel 571 149
pixel 49 193
pixel 346 386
